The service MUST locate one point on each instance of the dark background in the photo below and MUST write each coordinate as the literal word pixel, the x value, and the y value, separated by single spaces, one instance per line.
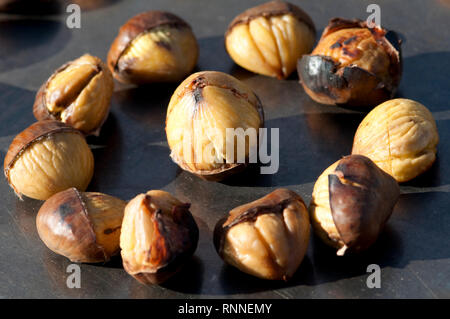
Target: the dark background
pixel 131 156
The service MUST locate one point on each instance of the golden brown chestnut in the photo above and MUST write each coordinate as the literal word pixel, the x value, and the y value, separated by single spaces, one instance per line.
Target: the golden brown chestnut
pixel 84 227
pixel 400 136
pixel 352 65
pixel 351 202
pixel 269 39
pixel 153 46
pixel 78 93
pixel 158 236
pixel 267 238
pixel 200 111
pixel 46 158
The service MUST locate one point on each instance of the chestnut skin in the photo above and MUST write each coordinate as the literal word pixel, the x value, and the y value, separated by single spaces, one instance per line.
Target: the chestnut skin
pixel 352 65
pixel 159 235
pixel 46 158
pixel 351 202
pixel 266 238
pixel 84 227
pixel 154 46
pixel 269 38
pixel 78 93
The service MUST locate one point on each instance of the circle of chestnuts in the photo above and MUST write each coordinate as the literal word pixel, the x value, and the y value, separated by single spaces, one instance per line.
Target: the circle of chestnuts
pixel 155 233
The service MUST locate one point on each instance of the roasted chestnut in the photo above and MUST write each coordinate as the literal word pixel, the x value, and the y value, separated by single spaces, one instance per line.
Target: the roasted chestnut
pixel 266 238
pixel 352 65
pixel 153 46
pixel 46 158
pixel 400 136
pixel 78 94
pixel 208 118
pixel 84 227
pixel 269 39
pixel 158 236
pixel 351 202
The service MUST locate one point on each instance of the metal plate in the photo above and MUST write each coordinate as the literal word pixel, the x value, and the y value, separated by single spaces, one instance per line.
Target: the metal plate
pixel 132 156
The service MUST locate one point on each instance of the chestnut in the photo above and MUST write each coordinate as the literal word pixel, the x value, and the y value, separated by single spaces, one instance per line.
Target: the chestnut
pixel 267 238
pixel 84 227
pixel 352 65
pixel 159 235
pixel 154 46
pixel 201 113
pixel 78 93
pixel 46 158
pixel 400 136
pixel 269 39
pixel 351 202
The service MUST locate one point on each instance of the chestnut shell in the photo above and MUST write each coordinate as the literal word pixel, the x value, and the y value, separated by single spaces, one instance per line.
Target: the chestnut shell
pixel 328 83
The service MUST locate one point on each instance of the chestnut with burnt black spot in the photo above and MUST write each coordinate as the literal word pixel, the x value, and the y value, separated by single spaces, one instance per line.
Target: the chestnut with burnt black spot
pixel 352 65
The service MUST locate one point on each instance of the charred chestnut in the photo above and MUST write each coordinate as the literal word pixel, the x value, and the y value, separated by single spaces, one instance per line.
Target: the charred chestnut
pixel 84 227
pixel 78 94
pixel 351 202
pixel 400 136
pixel 202 112
pixel 269 39
pixel 46 158
pixel 352 65
pixel 266 238
pixel 153 46
pixel 158 236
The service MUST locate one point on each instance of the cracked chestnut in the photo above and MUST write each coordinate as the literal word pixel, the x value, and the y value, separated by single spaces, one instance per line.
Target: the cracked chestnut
pixel 203 114
pixel 267 238
pixel 154 46
pixel 269 39
pixel 82 226
pixel 46 158
pixel 400 136
pixel 78 93
pixel 352 65
pixel 159 235
pixel 351 203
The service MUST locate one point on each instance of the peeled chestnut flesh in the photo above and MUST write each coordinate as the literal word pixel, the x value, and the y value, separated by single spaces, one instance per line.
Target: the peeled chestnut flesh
pixel 200 111
pixel 269 39
pixel 159 235
pixel 400 136
pixel 46 158
pixel 82 226
pixel 154 46
pixel 78 93
pixel 352 65
pixel 267 238
pixel 351 203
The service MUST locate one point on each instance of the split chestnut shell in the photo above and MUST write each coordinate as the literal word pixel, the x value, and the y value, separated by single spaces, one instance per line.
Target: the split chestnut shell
pixel 267 238
pixel 78 93
pixel 153 46
pixel 158 236
pixel 352 65
pixel 46 158
pixel 351 202
pixel 203 113
pixel 84 227
pixel 269 39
